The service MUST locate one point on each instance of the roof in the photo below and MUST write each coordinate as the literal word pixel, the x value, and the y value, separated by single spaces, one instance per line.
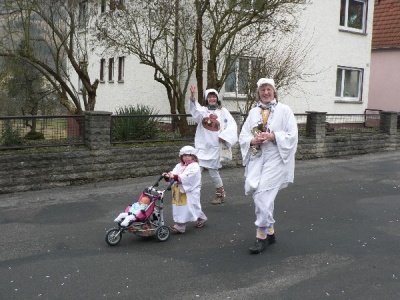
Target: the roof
pixel 386 28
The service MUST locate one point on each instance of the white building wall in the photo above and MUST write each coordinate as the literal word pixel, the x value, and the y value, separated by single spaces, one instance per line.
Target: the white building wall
pixel 138 86
pixel 330 48
pixel 319 25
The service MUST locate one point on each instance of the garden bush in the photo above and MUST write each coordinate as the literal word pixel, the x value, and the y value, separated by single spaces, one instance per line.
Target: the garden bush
pixel 135 123
pixel 9 136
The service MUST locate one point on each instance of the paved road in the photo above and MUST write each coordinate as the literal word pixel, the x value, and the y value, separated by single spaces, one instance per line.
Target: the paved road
pixel 338 237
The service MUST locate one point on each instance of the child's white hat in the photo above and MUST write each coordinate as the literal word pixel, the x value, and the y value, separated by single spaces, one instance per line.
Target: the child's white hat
pixel 187 150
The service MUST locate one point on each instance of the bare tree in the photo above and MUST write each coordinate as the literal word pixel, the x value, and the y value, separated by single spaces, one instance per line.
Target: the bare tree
pixel 286 64
pixel 181 37
pixel 160 34
pixel 233 28
pixel 27 90
pixel 58 47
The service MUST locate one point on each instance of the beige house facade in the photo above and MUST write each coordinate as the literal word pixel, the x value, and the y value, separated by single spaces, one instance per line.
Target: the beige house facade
pixel 334 78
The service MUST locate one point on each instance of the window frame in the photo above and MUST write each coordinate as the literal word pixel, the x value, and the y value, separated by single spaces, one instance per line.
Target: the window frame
pixel 342 97
pixel 237 71
pixel 80 85
pixel 83 14
pixel 103 6
pixel 344 16
pixel 117 4
pixel 121 68
pixel 81 88
pixel 111 69
pixel 246 5
pixel 102 67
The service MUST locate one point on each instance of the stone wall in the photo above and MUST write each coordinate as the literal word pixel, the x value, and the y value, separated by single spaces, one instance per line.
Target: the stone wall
pixel 32 170
pixel 98 160
pixel 347 145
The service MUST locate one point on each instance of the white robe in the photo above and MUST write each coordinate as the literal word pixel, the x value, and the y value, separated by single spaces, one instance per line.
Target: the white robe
pixel 207 141
pixel 190 177
pixel 275 168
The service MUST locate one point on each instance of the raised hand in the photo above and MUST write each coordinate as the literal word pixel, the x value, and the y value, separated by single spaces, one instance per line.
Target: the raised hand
pixel 192 93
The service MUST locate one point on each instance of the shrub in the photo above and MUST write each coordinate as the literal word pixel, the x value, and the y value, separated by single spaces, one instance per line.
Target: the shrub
pixel 34 135
pixel 135 123
pixel 9 136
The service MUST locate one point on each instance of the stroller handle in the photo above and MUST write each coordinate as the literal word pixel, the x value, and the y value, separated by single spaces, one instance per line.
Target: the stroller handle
pixel 158 181
pixel 156 184
pixel 170 184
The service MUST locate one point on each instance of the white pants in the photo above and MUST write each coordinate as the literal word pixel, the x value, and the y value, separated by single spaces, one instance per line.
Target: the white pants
pixel 127 218
pixel 215 177
pixel 264 207
pixel 121 216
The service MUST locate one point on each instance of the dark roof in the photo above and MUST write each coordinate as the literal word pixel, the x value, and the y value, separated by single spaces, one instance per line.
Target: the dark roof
pixel 386 28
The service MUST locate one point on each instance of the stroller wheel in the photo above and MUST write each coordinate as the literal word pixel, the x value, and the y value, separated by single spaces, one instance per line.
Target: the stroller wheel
pixel 113 236
pixel 162 233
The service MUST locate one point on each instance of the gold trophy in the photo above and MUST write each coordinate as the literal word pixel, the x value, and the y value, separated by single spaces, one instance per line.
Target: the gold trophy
pixel 256 149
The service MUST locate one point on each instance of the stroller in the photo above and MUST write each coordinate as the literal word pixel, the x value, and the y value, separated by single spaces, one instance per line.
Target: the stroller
pixel 148 223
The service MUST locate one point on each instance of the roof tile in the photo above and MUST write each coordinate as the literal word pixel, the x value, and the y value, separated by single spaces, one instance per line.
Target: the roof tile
pixel 386 28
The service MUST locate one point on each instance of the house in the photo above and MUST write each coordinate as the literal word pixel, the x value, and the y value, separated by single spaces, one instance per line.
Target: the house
pixel 384 90
pixel 334 79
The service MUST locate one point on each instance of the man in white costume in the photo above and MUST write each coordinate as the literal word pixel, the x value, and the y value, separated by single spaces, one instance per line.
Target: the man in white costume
pixel 215 125
pixel 268 142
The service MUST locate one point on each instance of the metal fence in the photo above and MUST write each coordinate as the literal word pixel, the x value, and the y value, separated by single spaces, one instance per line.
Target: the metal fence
pixel 301 120
pixel 352 123
pixel 50 131
pixel 41 131
pixel 151 128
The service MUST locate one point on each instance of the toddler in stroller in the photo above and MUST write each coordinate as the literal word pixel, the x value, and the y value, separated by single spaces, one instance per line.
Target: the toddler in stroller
pixel 136 211
pixel 144 218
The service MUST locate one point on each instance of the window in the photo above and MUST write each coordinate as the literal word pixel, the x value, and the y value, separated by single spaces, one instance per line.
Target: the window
pixel 103 6
pixel 121 68
pixel 243 70
pixel 83 13
pixel 83 67
pixel 80 85
pixel 349 84
pixel 102 65
pixel 353 14
pixel 111 69
pixel 249 4
pixel 117 4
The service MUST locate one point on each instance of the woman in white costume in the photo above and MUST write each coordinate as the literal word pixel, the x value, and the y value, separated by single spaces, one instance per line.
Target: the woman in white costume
pixel 268 142
pixel 214 125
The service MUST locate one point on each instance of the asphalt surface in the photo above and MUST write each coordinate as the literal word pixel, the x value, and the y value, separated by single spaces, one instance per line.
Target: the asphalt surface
pixel 337 229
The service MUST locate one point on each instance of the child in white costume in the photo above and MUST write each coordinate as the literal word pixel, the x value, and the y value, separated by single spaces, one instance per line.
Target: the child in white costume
pixel 186 205
pixel 136 209
pixel 214 125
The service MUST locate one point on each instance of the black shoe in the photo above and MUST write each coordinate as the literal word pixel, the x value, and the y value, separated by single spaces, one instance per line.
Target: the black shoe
pixel 271 239
pixel 260 244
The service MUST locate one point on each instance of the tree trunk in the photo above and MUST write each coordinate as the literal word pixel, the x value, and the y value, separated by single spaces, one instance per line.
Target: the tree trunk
pixel 175 56
pixel 212 74
pixel 199 52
